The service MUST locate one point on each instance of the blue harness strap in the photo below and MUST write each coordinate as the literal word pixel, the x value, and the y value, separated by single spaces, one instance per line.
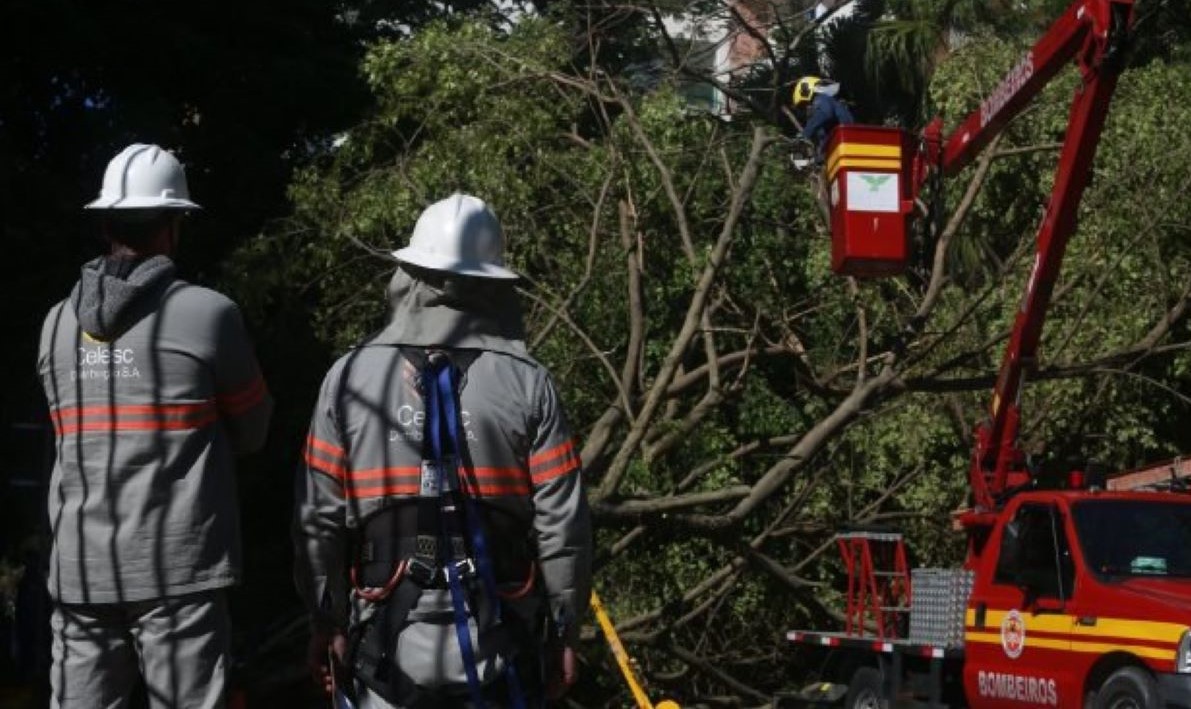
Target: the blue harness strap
pixel 442 408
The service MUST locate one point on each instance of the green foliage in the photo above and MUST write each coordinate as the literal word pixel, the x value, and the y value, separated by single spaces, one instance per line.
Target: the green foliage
pixel 1126 265
pixel 566 159
pixel 451 116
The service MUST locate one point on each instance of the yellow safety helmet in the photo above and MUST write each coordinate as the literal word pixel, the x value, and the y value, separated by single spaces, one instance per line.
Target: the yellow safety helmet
pixel 804 90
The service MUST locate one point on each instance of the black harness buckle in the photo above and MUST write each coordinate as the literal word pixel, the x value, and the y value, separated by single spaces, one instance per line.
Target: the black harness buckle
pixel 425 574
pixel 465 568
pixel 420 572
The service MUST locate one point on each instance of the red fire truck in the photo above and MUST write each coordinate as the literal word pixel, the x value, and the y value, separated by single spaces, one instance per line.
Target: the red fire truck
pixel 1076 592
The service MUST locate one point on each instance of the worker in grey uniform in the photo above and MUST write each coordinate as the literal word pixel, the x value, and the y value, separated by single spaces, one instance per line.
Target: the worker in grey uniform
pixel 375 554
pixel 153 388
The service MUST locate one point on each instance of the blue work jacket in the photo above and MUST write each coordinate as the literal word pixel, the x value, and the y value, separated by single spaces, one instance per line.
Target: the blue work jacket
pixel 826 113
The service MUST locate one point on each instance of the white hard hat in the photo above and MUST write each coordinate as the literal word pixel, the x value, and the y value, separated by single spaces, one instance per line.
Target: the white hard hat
pixel 459 234
pixel 144 177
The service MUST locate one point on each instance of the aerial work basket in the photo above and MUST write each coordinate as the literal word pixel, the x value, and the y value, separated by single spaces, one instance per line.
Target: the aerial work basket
pixel 869 186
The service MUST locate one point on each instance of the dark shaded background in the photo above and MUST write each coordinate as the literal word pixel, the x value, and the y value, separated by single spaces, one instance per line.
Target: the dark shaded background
pixel 243 93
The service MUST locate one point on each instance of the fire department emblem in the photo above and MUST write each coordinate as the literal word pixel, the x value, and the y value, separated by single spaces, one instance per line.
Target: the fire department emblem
pixel 1013 634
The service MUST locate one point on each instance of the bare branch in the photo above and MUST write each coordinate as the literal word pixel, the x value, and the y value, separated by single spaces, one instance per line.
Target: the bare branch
pixel 708 668
pixel 809 444
pixel 663 170
pixel 699 300
pixel 938 269
pixel 636 306
pixel 1027 149
pixel 593 240
pixel 591 346
pixel 1133 354
pixel 707 405
pixel 660 505
pixel 693 376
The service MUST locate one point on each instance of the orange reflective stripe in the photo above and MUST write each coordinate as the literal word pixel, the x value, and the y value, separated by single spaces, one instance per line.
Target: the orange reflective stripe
pixel 544 476
pixel 382 482
pixel 504 473
pixel 326 457
pixel 333 469
pixel 549 455
pixel 133 417
pixel 147 425
pixel 560 460
pixel 399 488
pixel 238 402
pixel 495 482
pixel 477 488
pixel 322 445
pixel 406 481
pixel 111 410
pixel 404 471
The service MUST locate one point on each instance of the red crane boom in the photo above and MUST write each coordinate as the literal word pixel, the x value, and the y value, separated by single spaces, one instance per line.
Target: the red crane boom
pixel 1093 33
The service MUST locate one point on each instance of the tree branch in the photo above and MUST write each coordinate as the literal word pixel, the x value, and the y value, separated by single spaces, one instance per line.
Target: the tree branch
pixel 591 346
pixel 699 299
pixel 710 669
pixel 588 265
pixel 633 508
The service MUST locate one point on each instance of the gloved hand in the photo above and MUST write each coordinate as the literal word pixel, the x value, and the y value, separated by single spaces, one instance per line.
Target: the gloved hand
pixel 324 645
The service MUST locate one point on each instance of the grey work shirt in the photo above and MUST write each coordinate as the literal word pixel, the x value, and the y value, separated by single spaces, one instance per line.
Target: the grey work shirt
pixel 142 498
pixel 364 453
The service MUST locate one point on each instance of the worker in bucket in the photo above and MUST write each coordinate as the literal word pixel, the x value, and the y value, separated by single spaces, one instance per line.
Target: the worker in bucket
pixel 824 111
pixel 153 388
pixel 442 536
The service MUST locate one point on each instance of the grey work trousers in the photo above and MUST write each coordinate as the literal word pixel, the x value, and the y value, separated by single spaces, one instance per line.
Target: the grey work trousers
pixel 179 646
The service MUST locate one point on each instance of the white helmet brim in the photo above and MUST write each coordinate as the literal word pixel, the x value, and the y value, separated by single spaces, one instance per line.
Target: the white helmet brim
pixel 141 203
pixel 439 262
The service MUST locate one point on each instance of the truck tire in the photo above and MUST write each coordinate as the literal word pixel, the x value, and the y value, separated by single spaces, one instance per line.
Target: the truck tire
pixel 864 690
pixel 1128 688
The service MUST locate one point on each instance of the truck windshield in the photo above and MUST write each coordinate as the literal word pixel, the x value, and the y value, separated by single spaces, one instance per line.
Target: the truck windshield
pixel 1134 538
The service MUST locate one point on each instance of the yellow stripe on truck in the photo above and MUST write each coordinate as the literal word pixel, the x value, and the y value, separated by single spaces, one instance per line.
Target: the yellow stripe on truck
pixel 1139 629
pixel 871 163
pixel 1106 635
pixel 890 156
pixel 1124 628
pixel 1156 653
pixel 865 150
pixel 982 638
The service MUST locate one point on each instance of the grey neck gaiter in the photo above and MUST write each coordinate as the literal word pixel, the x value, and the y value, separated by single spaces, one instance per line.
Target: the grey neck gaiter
pixel 109 289
pixel 461 312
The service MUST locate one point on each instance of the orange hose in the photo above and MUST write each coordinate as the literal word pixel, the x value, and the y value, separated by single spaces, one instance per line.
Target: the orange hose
pixel 383 592
pixel 525 587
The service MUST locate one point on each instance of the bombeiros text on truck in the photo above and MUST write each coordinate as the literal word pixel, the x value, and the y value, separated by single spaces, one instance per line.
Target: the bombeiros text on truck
pixel 1076 594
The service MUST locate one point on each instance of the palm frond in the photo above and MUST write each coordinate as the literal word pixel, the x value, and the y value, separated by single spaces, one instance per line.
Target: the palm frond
pixel 907 46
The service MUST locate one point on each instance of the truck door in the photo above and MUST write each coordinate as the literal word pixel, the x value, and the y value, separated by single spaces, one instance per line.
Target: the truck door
pixel 1017 638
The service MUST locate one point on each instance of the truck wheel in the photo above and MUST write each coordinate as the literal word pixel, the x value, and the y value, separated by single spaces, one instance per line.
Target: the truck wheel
pixel 1128 688
pixel 864 690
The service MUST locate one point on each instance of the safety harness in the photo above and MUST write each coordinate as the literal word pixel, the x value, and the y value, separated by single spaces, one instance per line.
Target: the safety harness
pixel 442 544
